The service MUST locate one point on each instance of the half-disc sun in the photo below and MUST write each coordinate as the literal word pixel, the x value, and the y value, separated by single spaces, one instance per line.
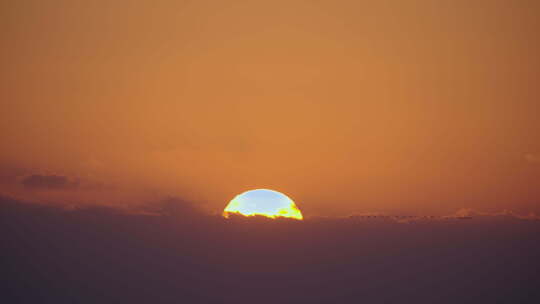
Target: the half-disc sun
pixel 263 202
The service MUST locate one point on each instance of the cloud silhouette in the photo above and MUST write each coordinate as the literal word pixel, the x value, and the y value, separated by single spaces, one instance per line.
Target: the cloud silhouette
pixel 51 182
pixel 470 213
pixel 460 214
pixel 171 207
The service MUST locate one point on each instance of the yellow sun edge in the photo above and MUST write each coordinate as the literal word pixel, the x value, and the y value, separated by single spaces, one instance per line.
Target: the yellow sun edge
pixel 297 217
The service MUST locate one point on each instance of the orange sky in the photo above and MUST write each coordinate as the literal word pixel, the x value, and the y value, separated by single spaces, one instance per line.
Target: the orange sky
pixel 346 106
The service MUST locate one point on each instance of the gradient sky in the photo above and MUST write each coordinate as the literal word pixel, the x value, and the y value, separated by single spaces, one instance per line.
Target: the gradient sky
pixel 346 106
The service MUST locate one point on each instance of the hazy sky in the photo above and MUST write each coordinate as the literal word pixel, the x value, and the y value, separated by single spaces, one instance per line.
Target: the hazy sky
pixel 346 106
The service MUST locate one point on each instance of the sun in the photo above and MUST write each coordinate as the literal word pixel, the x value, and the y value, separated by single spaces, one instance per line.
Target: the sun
pixel 263 202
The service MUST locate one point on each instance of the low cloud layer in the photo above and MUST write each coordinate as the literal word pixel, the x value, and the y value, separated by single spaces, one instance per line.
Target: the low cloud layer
pixel 172 252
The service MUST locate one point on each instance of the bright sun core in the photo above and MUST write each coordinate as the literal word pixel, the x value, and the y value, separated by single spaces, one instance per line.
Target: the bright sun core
pixel 263 202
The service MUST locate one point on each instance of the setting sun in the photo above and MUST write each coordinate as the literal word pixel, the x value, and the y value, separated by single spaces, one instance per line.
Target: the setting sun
pixel 263 202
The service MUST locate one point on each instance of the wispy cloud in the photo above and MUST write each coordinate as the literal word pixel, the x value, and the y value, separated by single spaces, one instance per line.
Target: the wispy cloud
pixel 50 182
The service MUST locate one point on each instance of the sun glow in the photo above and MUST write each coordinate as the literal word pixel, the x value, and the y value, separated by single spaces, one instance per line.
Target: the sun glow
pixel 263 202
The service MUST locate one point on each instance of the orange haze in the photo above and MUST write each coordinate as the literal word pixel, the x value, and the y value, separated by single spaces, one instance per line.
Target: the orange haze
pixel 349 106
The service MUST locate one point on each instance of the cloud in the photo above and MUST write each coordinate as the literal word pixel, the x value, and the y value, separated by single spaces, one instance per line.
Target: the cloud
pixel 9 173
pixel 470 213
pixel 51 182
pixel 464 212
pixel 171 207
pixel 531 216
pixel 460 214
pixel 173 255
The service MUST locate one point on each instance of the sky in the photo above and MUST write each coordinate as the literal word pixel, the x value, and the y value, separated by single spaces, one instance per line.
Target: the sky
pixel 421 107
